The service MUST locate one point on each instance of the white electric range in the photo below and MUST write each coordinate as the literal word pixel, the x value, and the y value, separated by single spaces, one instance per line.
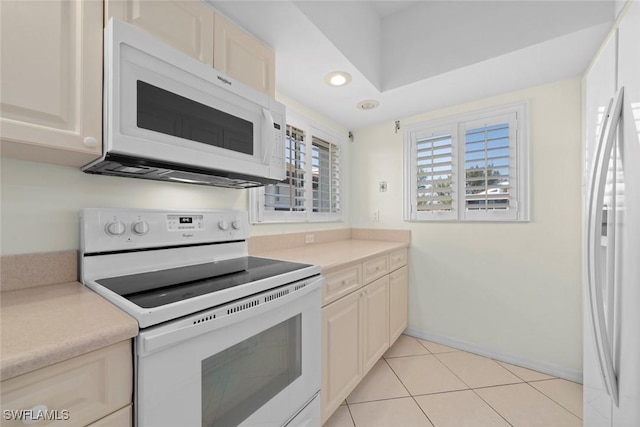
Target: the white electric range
pixel 225 339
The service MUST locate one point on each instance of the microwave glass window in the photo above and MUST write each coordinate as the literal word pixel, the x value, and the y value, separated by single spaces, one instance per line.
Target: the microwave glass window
pixel 237 381
pixel 165 112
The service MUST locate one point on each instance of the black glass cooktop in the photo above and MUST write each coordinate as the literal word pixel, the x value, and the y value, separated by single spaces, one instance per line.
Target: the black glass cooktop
pixel 157 288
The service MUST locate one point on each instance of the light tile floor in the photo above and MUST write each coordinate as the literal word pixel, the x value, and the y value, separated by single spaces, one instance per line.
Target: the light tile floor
pixel 423 384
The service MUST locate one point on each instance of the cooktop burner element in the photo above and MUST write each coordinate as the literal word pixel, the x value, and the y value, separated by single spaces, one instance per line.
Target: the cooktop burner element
pixel 162 287
pixel 161 265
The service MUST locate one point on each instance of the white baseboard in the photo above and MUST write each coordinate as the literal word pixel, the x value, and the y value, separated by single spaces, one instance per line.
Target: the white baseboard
pixel 536 365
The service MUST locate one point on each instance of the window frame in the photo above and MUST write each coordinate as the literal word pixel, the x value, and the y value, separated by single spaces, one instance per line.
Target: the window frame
pixel 257 212
pixel 457 125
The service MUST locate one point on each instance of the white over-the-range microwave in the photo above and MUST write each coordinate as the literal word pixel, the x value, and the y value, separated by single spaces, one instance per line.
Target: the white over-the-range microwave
pixel 169 117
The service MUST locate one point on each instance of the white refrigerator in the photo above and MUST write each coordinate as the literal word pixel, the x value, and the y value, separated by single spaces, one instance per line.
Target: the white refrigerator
pixel 611 294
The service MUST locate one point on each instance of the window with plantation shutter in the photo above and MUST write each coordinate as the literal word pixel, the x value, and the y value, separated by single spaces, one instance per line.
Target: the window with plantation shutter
pixel 289 195
pixel 490 179
pixel 468 168
pixel 326 176
pixel 311 190
pixel 435 193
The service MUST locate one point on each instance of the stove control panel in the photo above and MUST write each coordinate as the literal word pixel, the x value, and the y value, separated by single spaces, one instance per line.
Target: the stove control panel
pixel 185 222
pixel 105 230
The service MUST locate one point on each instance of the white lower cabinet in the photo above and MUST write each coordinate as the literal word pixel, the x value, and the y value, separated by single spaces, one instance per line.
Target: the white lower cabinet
pixel 375 324
pixel 398 302
pixel 96 387
pixel 360 321
pixel 341 351
pixel 121 418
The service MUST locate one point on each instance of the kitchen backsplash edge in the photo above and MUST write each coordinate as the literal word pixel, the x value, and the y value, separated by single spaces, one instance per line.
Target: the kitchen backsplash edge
pixel 38 269
pixel 275 242
pixel 49 268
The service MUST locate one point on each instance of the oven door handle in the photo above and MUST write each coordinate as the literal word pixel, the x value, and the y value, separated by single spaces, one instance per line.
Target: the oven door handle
pixel 171 334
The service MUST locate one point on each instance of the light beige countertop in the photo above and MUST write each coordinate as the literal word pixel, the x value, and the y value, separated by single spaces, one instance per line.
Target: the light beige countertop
pixel 50 323
pixel 336 254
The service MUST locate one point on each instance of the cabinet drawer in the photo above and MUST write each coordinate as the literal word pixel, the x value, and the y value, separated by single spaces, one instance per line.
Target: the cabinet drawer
pixel 375 268
pixel 341 282
pixel 84 389
pixel 397 259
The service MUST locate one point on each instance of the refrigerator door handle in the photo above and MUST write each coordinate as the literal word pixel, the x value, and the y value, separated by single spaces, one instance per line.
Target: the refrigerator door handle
pixel 594 257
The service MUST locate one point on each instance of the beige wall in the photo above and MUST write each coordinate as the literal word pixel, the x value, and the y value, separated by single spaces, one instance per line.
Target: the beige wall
pixel 510 289
pixel 40 202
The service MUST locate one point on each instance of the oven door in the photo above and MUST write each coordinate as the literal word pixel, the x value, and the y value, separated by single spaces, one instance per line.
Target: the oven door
pixel 259 366
pixel 163 105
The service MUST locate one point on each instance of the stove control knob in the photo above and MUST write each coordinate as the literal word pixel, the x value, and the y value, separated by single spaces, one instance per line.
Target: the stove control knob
pixel 140 228
pixel 223 225
pixel 236 225
pixel 115 228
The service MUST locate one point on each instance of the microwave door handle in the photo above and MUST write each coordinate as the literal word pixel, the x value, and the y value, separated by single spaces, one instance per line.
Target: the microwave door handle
pixel 594 257
pixel 267 135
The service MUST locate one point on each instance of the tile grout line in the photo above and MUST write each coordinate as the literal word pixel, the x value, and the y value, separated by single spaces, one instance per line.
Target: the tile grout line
pixel 407 389
pixel 449 391
pixel 489 405
pixel 353 420
pixel 429 353
pixel 473 390
pixel 395 373
pixel 554 401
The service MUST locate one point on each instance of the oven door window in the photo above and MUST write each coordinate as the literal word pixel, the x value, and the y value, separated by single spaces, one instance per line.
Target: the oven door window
pixel 162 111
pixel 239 380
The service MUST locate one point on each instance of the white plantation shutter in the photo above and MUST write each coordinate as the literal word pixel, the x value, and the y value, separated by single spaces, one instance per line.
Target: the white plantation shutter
pixel 490 179
pixel 289 194
pixel 311 190
pixel 434 162
pixel 468 168
pixel 326 176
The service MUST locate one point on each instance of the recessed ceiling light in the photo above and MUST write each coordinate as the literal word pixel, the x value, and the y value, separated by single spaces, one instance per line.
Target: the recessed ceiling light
pixel 337 78
pixel 368 104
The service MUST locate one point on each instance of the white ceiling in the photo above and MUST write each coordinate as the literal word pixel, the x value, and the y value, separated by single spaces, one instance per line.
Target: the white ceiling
pixel 417 56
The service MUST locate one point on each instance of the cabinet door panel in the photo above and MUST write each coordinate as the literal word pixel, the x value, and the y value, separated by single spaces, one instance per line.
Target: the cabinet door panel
pixel 186 25
pixel 376 321
pixel 51 86
pixel 398 302
pixel 121 418
pixel 89 387
pixel 241 56
pixel 341 368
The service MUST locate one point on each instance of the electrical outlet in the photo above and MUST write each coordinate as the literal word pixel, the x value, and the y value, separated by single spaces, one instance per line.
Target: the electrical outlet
pixel 309 238
pixel 376 215
pixel 383 186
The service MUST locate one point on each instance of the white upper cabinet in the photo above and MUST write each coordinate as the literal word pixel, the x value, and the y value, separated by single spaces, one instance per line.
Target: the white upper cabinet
pixel 186 25
pixel 243 57
pixel 51 86
pixel 194 28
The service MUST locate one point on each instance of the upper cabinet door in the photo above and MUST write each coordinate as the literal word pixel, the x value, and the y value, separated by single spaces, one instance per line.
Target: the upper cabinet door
pixel 241 56
pixel 187 25
pixel 51 86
